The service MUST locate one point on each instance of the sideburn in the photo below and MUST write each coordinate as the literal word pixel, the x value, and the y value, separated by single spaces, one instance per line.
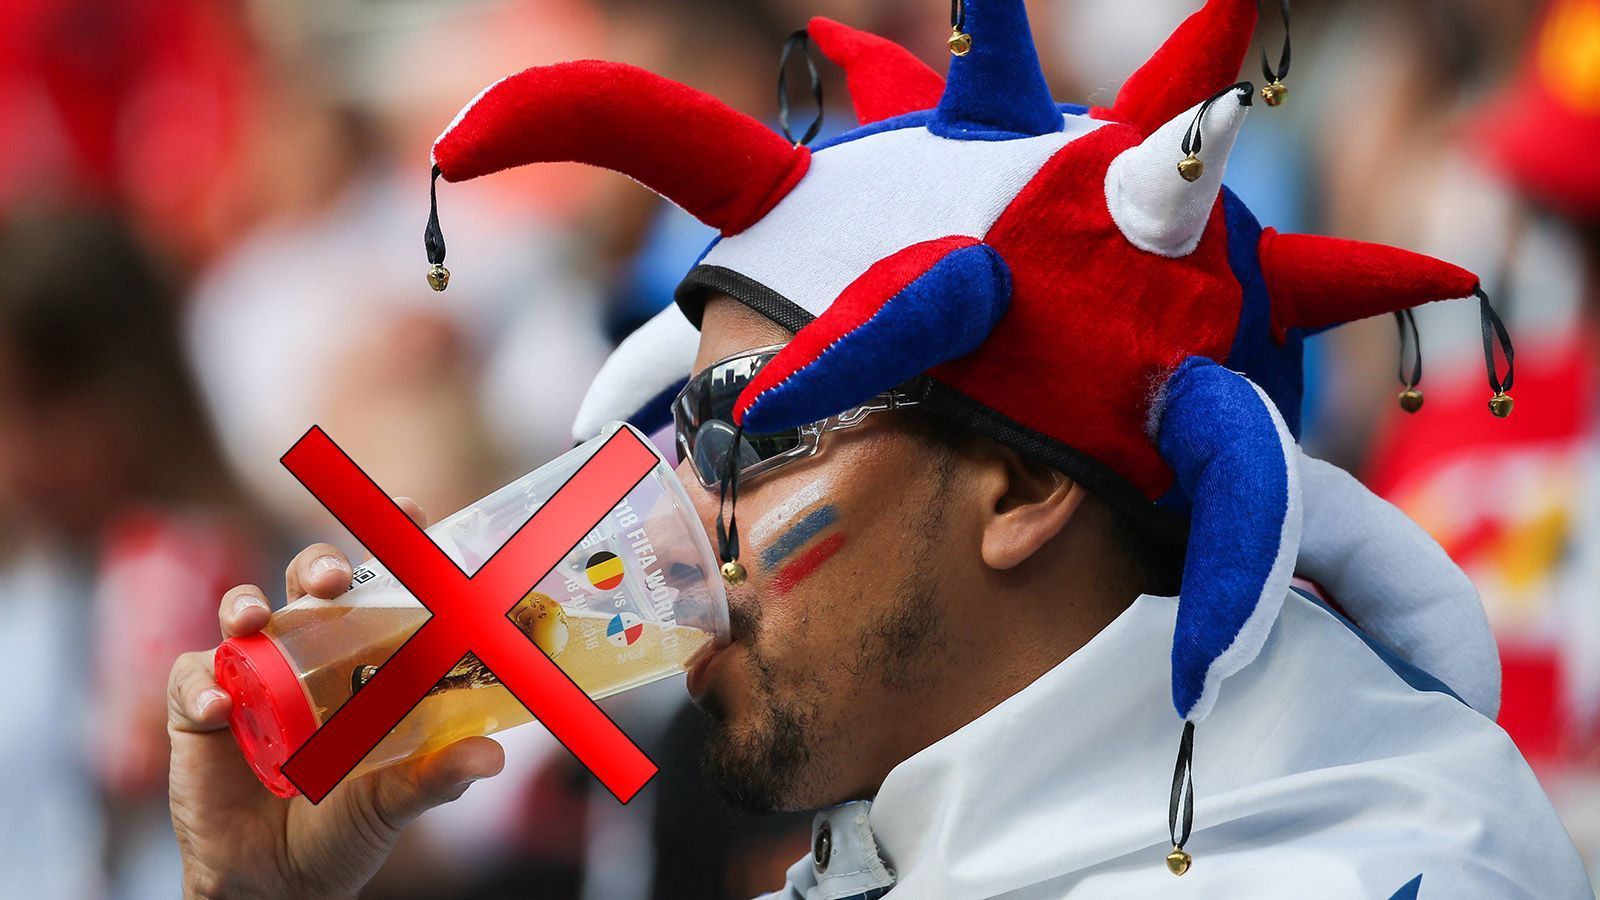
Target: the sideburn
pixel 897 644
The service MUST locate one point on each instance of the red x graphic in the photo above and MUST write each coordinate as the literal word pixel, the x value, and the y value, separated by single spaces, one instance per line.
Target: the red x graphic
pixel 468 614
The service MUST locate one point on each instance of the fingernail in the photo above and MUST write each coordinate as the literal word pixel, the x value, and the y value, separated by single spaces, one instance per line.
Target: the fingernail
pixel 327 564
pixel 207 698
pixel 249 601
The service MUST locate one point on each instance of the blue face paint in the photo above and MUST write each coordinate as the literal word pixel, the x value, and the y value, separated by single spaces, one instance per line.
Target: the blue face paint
pixel 797 535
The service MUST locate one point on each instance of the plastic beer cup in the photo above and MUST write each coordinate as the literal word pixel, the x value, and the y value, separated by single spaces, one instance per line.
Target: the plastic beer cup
pixel 637 600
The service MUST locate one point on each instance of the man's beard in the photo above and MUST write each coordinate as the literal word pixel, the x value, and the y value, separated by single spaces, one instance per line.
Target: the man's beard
pixel 767 766
pixel 756 772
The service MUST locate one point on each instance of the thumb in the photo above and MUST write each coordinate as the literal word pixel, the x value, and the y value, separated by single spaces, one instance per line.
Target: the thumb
pixel 403 792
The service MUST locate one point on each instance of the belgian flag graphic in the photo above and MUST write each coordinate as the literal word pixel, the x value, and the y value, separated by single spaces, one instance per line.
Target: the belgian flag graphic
pixel 604 570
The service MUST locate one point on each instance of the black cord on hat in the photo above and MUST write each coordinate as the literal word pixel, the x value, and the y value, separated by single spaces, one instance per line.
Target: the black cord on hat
pixel 1182 801
pixel 1494 331
pixel 728 498
pixel 1191 168
pixel 960 41
pixel 1411 396
pixel 800 39
pixel 433 237
pixel 1275 91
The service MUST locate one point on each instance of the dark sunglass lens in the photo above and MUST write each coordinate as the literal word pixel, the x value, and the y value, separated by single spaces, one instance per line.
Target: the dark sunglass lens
pixel 712 443
pixel 766 446
pixel 705 412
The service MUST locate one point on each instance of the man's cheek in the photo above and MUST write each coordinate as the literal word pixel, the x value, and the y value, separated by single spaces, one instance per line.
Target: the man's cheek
pixel 806 601
pixel 799 569
pixel 787 539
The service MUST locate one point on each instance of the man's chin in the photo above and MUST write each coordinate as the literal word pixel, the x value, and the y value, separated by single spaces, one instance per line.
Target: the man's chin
pixel 753 769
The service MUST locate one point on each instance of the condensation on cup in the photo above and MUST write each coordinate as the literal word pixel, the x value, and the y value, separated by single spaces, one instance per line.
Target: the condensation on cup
pixel 637 600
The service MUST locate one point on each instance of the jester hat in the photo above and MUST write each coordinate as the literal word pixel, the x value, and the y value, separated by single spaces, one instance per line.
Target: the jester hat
pixel 1075 283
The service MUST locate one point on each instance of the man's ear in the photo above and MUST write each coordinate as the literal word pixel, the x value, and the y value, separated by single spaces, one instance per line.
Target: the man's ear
pixel 1026 505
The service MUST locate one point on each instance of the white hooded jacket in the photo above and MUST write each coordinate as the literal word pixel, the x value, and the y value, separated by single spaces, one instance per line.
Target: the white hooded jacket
pixel 1328 769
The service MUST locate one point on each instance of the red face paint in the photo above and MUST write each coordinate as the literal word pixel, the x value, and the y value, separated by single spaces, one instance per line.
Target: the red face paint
pixel 790 576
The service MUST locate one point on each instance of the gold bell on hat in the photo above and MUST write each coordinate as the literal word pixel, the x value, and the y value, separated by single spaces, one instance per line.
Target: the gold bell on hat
pixel 960 42
pixel 1191 168
pixel 1411 400
pixel 1500 404
pixel 1275 93
pixel 438 277
pixel 733 572
pixel 1178 861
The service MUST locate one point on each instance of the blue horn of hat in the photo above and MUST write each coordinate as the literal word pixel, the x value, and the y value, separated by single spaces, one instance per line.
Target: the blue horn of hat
pixel 997 90
pixel 1237 463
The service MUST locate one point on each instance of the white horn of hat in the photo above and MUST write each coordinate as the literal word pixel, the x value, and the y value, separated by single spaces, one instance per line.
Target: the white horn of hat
pixel 639 380
pixel 1152 199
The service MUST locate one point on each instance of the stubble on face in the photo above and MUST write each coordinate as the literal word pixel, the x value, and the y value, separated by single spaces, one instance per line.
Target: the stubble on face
pixel 780 761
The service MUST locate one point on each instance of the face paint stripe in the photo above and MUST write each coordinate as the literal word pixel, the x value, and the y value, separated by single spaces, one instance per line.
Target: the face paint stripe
pixel 770 524
pixel 795 572
pixel 796 537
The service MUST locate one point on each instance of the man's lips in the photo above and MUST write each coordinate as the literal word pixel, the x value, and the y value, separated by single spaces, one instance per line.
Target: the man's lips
pixel 699 676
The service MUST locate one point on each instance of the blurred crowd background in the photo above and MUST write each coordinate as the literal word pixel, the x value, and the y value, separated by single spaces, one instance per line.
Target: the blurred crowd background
pixel 211 215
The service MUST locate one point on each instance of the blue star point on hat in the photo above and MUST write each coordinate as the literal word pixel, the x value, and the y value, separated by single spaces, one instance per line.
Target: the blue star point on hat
pixel 1043 270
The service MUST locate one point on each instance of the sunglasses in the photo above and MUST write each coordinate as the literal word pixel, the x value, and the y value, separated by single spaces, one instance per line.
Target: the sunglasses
pixel 703 421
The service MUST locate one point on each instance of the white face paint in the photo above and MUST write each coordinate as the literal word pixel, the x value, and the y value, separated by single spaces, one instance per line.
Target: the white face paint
pixel 778 518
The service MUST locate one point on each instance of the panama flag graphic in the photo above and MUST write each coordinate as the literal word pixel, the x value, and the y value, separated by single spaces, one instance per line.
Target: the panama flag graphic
pixel 604 570
pixel 624 629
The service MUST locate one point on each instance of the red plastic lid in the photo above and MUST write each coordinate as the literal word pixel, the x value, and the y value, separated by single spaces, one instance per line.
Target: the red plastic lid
pixel 271 716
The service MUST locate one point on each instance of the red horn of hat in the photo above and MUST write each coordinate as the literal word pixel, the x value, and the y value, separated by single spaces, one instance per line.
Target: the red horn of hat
pixel 722 166
pixel 1202 57
pixel 1319 282
pixel 884 78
